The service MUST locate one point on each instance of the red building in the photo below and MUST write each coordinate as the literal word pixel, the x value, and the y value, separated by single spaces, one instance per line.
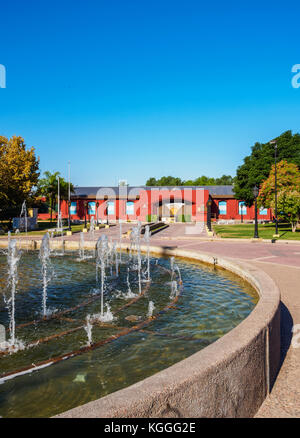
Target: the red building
pixel 185 203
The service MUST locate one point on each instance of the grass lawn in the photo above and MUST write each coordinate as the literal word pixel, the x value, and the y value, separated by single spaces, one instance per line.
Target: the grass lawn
pixel 265 231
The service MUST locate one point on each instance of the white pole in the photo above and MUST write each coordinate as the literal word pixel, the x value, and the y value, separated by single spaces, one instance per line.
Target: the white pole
pixel 58 202
pixel 69 195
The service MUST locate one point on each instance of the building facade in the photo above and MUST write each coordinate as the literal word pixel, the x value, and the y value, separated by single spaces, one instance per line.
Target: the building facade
pixel 176 204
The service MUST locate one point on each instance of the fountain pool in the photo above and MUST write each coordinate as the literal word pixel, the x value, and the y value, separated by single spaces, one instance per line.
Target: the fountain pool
pixel 115 323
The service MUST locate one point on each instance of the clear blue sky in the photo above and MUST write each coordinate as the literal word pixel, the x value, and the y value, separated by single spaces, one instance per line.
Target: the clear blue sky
pixel 131 89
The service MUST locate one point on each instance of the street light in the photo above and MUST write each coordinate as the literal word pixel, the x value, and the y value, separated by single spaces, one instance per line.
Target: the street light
pixel 85 209
pixel 274 142
pixel 58 204
pixel 69 194
pixel 97 205
pixel 255 193
pixel 208 205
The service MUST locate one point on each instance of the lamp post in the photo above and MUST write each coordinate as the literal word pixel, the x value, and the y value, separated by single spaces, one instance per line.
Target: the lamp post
pixel 255 193
pixel 97 205
pixel 106 213
pixel 208 205
pixel 85 209
pixel 58 203
pixel 69 195
pixel 274 142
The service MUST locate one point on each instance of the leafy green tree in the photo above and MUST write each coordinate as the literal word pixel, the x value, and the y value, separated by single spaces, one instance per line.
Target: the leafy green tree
pixel 257 166
pixel 169 181
pixel 288 205
pixel 200 181
pixel 288 189
pixel 151 182
pixel 19 173
pixel 288 179
pixel 224 180
pixel 48 187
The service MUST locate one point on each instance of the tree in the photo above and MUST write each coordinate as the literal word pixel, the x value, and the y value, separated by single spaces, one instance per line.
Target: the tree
pixel 289 207
pixel 164 181
pixel 257 166
pixel 224 180
pixel 151 182
pixel 19 173
pixel 200 181
pixel 288 179
pixel 288 192
pixel 48 187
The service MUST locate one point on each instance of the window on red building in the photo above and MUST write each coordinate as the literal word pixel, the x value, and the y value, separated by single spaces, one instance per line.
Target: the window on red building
pixel 242 208
pixel 223 207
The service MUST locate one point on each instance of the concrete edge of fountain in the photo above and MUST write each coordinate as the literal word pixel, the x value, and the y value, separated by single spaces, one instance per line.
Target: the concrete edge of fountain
pixel 229 378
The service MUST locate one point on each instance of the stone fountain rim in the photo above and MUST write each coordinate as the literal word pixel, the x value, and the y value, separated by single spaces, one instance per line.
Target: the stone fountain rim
pixel 249 340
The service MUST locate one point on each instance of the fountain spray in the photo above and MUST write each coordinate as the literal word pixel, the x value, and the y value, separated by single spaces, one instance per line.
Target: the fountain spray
pixel 44 256
pixel 13 257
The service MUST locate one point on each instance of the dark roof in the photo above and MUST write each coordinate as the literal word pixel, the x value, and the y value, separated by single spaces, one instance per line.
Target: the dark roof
pixel 89 192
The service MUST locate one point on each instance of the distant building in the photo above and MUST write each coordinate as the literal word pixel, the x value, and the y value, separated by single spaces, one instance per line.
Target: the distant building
pixel 176 204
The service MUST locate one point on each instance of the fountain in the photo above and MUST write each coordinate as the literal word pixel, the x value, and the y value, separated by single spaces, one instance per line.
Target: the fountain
pixel 81 246
pixel 151 307
pixel 2 337
pixel 118 312
pixel 135 246
pixel 92 228
pixel 120 240
pixel 44 256
pixel 147 239
pixel 102 253
pixel 23 217
pixel 88 328
pixel 13 257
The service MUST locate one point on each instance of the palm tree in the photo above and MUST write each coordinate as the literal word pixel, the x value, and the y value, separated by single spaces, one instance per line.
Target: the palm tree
pixel 48 187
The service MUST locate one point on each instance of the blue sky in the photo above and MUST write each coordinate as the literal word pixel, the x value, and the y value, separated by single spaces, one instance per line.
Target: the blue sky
pixel 131 89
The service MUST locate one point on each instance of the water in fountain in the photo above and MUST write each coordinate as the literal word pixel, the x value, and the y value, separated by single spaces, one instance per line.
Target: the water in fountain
pixel 44 256
pixel 116 257
pixel 173 281
pixel 88 328
pixel 13 257
pixel 92 228
pixel 179 274
pixel 2 337
pixel 61 230
pixel 151 307
pixel 105 316
pixel 120 241
pixel 129 293
pixel 23 217
pixel 147 239
pixel 135 245
pixel 110 256
pixel 78 325
pixel 102 254
pixel 81 246
pixel 172 267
